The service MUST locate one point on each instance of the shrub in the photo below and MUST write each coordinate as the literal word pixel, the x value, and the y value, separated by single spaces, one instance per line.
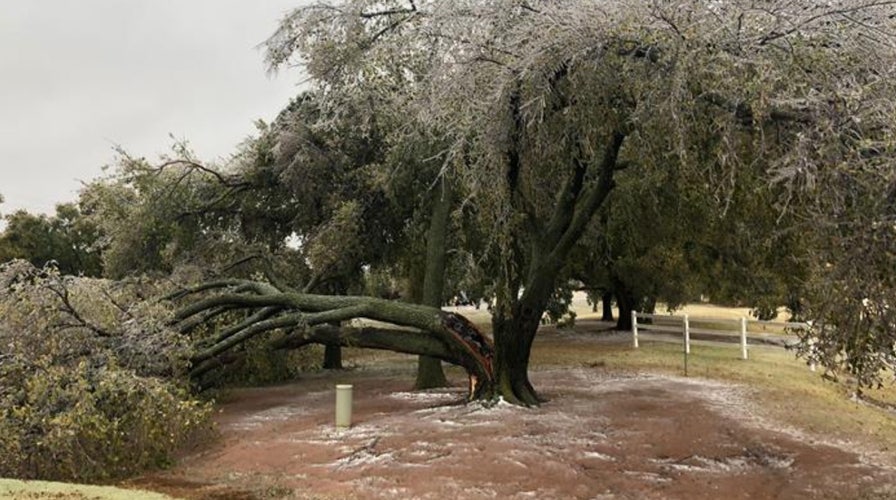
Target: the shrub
pixel 92 381
pixel 91 423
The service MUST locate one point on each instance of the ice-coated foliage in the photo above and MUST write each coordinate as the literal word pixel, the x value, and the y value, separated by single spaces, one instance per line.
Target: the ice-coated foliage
pixel 528 97
pixel 92 380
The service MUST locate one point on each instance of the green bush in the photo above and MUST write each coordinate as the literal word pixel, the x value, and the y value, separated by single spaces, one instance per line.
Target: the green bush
pixel 92 423
pixel 93 382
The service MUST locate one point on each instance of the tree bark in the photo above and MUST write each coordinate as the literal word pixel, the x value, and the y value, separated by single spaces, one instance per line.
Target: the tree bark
pixel 332 357
pixel 429 370
pixel 513 342
pixel 606 301
pixel 626 303
pixel 515 324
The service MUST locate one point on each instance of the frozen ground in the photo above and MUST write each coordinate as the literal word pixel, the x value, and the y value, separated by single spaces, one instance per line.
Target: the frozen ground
pixel 601 435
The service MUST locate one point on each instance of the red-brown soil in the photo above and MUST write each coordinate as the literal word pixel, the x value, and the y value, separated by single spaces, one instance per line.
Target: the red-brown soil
pixel 600 435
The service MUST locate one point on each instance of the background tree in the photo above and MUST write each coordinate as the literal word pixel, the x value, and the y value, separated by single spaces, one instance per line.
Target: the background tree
pixel 67 239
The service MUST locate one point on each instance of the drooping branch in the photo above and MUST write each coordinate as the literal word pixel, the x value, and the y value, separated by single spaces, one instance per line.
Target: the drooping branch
pixel 61 291
pixel 389 12
pixel 261 315
pixel 207 286
pixel 207 316
pixel 193 166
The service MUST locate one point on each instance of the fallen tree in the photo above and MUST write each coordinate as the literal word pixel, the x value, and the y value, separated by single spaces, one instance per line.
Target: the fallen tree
pixel 297 319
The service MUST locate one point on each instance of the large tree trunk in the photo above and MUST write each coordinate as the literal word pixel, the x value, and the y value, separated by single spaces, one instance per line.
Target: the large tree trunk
pixel 513 343
pixel 515 323
pixel 606 301
pixel 429 370
pixel 626 302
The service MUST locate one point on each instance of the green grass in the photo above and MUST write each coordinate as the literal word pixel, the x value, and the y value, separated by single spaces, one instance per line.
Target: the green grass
pixel 13 488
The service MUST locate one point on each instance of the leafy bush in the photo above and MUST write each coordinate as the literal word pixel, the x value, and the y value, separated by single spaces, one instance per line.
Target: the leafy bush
pixel 91 423
pixel 259 365
pixel 93 382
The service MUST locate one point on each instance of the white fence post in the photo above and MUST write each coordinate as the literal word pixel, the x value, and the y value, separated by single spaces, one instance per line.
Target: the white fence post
pixel 812 352
pixel 743 338
pixel 635 329
pixel 687 335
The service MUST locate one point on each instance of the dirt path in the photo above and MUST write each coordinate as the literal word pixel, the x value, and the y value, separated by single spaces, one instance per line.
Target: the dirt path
pixel 601 435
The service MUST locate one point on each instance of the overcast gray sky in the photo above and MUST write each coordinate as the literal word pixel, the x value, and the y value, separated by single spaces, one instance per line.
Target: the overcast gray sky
pixel 77 77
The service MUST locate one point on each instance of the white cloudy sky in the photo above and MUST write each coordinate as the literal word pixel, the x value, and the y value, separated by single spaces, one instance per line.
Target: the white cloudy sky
pixel 77 77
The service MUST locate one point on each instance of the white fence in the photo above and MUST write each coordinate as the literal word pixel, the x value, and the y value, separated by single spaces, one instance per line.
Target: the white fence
pixel 718 327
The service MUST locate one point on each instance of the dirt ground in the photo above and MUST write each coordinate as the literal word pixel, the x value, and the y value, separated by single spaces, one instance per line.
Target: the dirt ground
pixel 600 435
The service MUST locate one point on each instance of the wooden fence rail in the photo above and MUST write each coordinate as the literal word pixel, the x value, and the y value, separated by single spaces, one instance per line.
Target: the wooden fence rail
pixel 661 323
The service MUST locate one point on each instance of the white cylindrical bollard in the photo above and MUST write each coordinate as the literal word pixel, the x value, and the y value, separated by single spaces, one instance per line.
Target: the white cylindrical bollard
pixel 687 335
pixel 343 406
pixel 635 329
pixel 743 338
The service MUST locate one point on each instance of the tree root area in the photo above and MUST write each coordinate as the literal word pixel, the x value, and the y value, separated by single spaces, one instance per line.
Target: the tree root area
pixel 600 435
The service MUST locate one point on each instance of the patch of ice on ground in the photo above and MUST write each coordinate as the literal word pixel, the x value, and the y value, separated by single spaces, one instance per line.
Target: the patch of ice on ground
pixel 378 487
pixel 735 402
pixel 472 413
pixel 647 476
pixel 277 413
pixel 731 400
pixel 328 434
pixel 499 407
pixel 451 423
pixel 598 455
pixel 363 458
pixel 441 396
pixel 750 460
